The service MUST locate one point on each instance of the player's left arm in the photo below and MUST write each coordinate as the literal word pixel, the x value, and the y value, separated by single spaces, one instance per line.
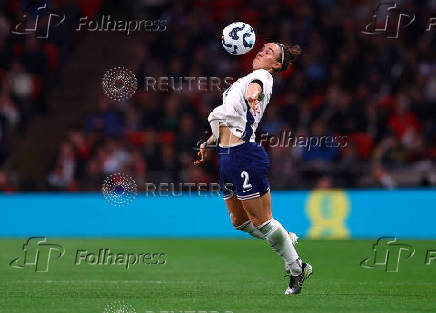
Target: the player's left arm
pixel 202 153
pixel 253 94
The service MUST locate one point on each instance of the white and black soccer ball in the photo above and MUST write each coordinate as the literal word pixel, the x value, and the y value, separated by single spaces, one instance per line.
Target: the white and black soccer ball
pixel 238 38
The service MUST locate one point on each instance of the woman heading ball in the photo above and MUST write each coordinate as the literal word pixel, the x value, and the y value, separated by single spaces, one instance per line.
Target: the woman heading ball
pixel 244 163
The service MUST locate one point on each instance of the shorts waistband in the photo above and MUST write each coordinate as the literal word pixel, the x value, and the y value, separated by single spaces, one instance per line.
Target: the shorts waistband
pixel 223 150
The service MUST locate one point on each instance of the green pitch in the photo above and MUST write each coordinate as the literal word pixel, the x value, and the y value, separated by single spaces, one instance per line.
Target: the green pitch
pixel 241 276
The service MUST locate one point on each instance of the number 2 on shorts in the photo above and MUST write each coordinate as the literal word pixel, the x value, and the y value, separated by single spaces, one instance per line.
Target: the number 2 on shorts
pixel 246 177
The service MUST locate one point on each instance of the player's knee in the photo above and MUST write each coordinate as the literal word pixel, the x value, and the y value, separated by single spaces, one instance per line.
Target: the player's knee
pixel 259 219
pixel 254 214
pixel 239 224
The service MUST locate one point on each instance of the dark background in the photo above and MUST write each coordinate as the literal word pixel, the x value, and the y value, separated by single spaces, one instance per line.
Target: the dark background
pixel 59 132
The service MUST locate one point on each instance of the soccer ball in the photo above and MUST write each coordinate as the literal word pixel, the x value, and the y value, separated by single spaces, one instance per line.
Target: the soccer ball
pixel 238 38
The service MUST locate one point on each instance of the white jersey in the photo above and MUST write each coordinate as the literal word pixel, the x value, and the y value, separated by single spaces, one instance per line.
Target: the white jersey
pixel 235 112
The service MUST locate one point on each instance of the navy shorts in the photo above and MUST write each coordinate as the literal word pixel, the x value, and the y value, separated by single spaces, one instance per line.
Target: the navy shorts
pixel 243 171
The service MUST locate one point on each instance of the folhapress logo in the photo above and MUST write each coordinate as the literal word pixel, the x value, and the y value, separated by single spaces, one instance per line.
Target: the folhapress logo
pixel 388 20
pixel 38 19
pixel 387 253
pixel 38 253
pixel 30 20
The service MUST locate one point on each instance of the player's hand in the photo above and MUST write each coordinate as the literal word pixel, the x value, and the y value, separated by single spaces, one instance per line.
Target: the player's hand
pixel 202 154
pixel 253 102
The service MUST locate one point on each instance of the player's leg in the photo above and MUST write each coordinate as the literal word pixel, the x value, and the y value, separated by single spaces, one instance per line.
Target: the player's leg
pixel 247 173
pixel 241 222
pixel 240 218
pixel 237 213
pixel 259 211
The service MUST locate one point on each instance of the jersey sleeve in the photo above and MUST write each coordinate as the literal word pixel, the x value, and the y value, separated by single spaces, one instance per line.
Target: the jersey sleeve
pixel 214 119
pixel 265 77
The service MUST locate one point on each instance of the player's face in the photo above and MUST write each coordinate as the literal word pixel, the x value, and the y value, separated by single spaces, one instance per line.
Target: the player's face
pixel 267 57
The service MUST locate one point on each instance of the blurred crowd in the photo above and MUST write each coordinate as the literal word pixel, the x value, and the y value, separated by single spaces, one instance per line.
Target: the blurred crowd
pixel 32 55
pixel 377 93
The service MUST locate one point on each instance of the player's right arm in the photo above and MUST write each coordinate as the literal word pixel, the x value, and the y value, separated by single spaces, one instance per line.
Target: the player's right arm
pixel 252 94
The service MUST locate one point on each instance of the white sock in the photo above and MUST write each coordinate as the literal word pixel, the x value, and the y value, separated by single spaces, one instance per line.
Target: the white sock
pixel 249 228
pixel 279 240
